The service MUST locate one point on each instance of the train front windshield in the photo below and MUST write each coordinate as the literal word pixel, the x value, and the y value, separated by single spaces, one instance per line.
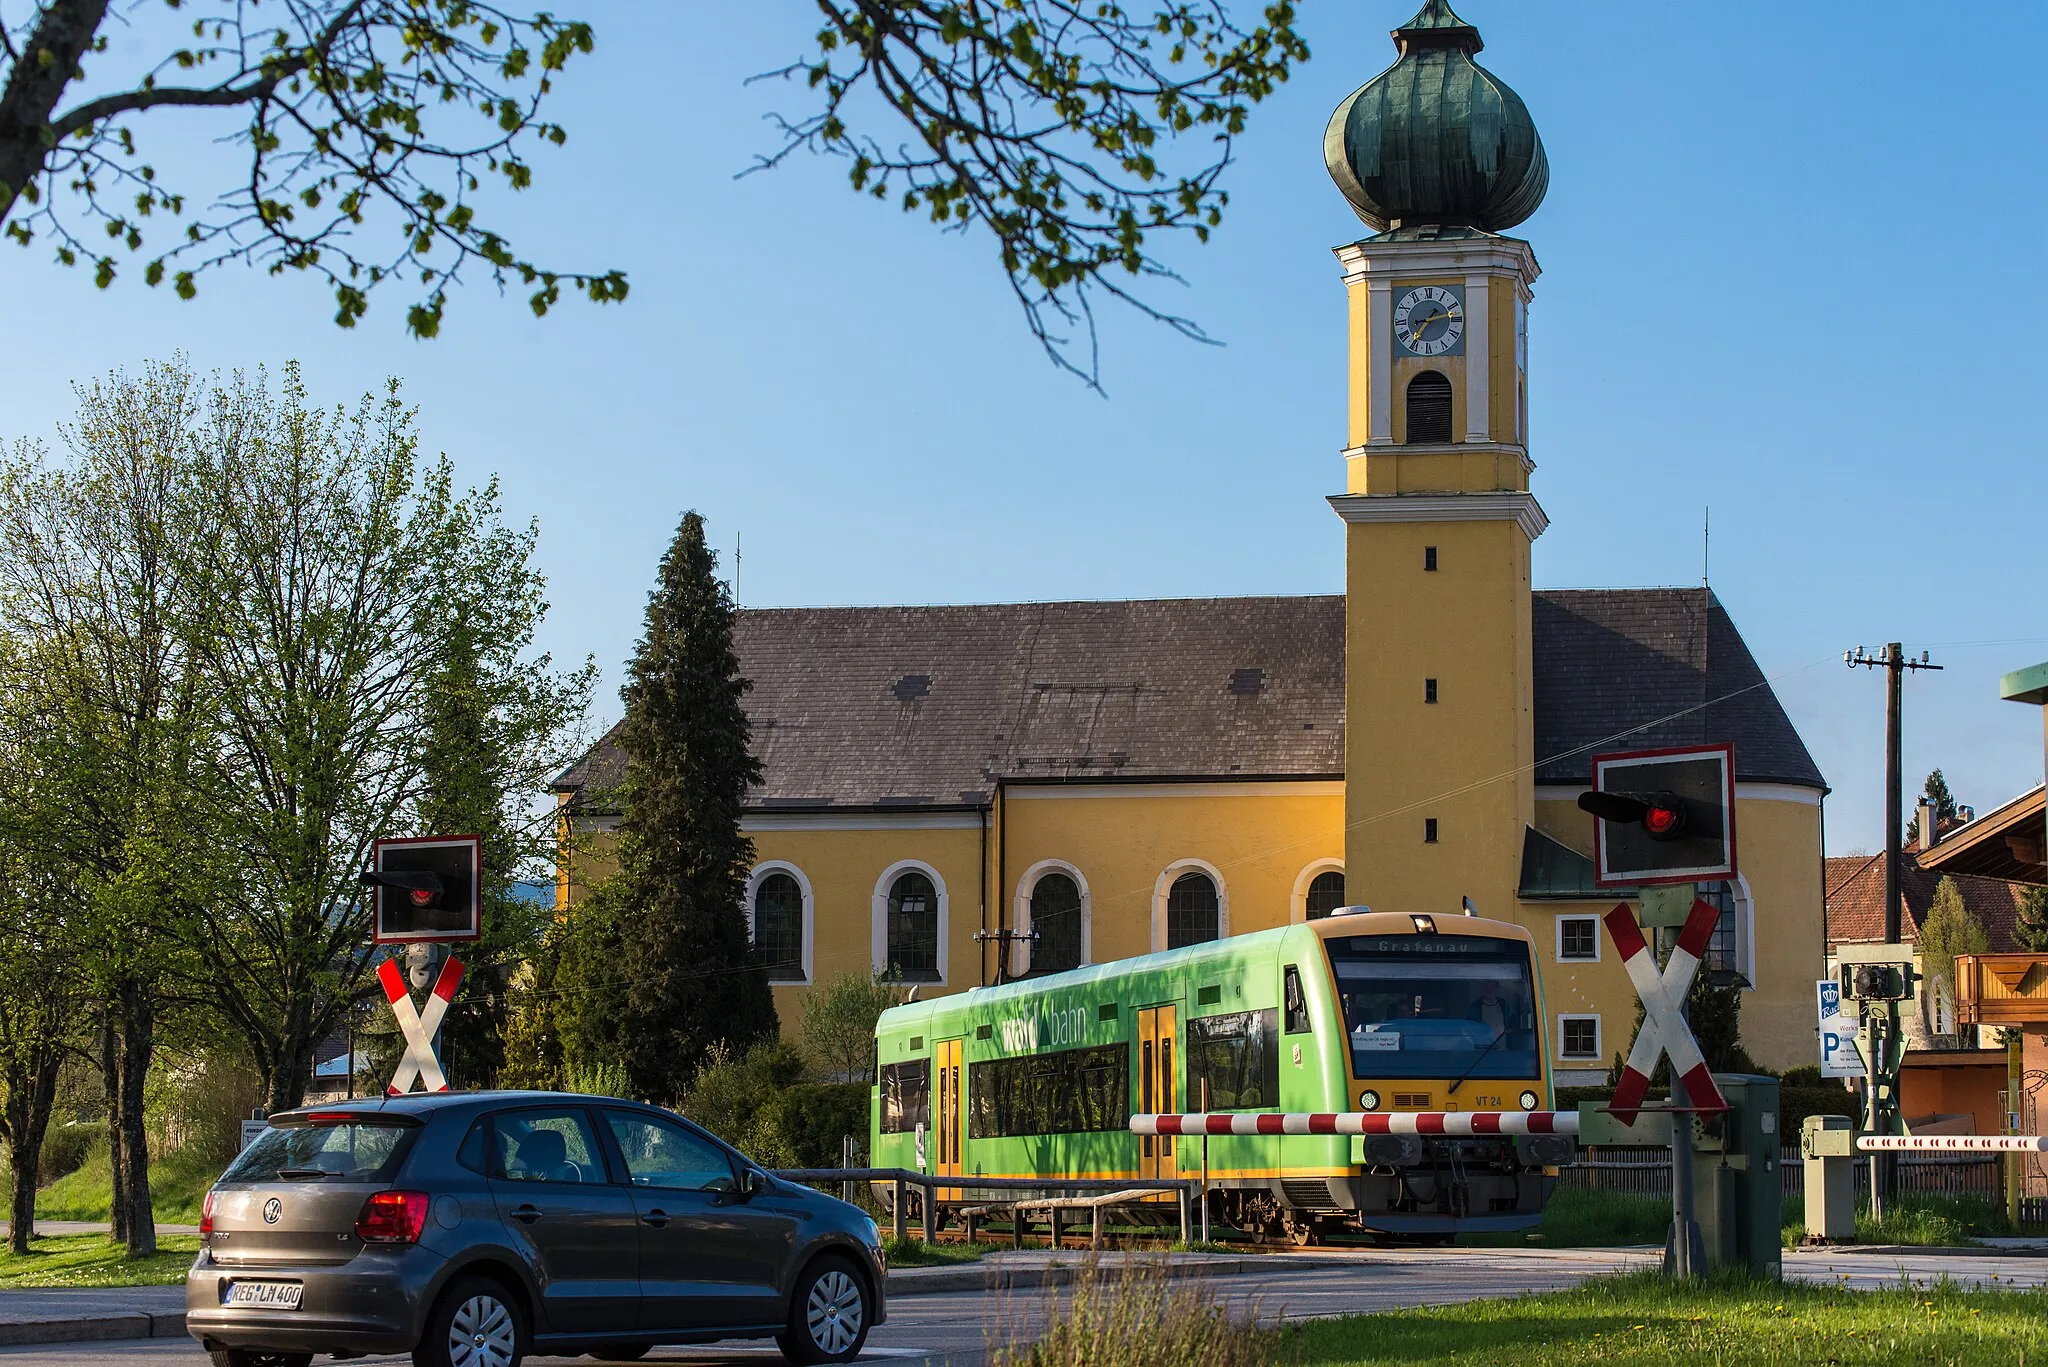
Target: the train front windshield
pixel 1437 1006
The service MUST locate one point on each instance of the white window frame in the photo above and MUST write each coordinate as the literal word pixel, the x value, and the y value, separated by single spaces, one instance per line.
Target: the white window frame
pixel 754 881
pixel 1165 885
pixel 1297 906
pixel 1027 883
pixel 878 916
pixel 1745 927
pixel 1599 1042
pixel 1576 959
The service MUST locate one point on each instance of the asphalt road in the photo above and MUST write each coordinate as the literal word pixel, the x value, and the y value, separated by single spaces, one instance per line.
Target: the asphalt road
pixel 955 1327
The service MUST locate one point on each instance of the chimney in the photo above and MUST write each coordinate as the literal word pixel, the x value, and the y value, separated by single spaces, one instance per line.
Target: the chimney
pixel 1927 832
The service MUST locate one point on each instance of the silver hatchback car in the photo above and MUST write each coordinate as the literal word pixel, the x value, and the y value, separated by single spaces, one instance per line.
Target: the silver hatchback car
pixel 469 1229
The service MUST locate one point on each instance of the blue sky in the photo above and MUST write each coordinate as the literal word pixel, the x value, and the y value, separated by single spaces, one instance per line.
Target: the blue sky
pixel 1789 274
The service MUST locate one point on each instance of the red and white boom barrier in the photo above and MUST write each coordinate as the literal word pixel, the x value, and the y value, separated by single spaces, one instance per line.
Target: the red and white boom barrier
pixel 1361 1122
pixel 1953 1143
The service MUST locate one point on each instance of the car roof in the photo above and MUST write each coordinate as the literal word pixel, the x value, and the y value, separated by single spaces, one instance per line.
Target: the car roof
pixel 424 1104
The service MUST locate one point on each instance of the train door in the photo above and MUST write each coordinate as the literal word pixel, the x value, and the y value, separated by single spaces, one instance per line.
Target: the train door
pixel 1156 1091
pixel 952 1112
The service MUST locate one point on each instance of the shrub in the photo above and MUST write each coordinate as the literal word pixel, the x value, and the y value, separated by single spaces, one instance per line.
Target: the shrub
pixel 1129 1314
pixel 67 1147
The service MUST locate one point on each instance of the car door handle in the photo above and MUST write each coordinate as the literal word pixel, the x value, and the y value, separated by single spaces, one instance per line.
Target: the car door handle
pixel 526 1215
pixel 657 1218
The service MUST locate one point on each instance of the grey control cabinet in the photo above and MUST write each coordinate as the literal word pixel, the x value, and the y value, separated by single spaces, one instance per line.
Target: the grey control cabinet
pixel 1738 1193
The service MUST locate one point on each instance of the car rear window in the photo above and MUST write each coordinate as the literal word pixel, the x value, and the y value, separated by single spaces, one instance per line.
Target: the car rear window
pixel 355 1149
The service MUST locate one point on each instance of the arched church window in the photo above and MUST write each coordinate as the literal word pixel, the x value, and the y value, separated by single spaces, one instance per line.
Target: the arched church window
pixel 1056 918
pixel 1727 952
pixel 779 927
pixel 1193 911
pixel 1429 407
pixel 1325 893
pixel 914 928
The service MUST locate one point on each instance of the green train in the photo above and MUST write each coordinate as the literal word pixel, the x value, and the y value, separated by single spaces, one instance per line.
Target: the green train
pixel 1375 1011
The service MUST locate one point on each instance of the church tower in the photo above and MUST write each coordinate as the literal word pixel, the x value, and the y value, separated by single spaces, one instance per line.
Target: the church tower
pixel 1438 157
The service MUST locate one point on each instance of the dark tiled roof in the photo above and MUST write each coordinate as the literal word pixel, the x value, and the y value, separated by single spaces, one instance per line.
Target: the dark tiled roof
pixel 929 705
pixel 1610 660
pixel 1855 901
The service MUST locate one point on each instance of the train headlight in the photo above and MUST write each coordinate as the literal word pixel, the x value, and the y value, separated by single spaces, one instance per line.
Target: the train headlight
pixel 1368 1100
pixel 1529 1100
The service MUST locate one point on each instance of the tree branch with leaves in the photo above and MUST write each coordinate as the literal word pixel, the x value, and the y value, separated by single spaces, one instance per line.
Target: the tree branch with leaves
pixel 1076 132
pixel 370 128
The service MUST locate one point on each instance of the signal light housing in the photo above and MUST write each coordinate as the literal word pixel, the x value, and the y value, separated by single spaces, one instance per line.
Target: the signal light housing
pixel 393 1217
pixel 206 1215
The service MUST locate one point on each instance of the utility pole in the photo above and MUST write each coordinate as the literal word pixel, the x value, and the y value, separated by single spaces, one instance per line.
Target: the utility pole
pixel 1885 1044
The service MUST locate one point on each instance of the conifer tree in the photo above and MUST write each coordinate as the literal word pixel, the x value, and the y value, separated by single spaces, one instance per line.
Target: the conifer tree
pixel 1936 791
pixel 686 977
pixel 2030 926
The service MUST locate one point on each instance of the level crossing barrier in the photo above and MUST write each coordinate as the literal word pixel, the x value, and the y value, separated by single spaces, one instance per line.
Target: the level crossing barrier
pixel 1953 1143
pixel 1456 1124
pixel 931 1183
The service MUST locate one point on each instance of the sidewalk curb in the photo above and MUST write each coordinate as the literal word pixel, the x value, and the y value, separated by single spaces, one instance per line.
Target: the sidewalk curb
pixel 1924 1250
pixel 93 1328
pixel 989 1276
pixel 902 1283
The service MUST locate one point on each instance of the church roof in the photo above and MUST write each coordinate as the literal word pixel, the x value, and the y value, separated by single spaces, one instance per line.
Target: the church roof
pixel 928 706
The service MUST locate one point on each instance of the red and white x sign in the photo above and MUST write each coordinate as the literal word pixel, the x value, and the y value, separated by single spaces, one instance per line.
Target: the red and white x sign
pixel 1664 1028
pixel 418 1026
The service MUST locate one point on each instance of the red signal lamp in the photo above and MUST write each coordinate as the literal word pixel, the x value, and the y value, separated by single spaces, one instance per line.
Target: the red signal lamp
pixel 1663 822
pixel 422 897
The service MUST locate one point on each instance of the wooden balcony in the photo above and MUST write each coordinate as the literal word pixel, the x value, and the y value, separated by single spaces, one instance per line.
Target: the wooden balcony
pixel 2002 989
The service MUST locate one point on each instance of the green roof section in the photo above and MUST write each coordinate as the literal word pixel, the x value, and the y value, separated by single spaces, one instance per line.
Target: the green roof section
pixel 1436 138
pixel 1555 872
pixel 2025 685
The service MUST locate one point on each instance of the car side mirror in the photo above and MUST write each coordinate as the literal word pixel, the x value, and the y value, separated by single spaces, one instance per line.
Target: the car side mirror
pixel 752 1183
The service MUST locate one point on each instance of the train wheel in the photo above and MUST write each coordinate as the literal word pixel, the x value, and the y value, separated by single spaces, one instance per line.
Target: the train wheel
pixel 1302 1231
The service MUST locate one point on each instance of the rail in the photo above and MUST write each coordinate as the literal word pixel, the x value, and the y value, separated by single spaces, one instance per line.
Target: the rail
pixel 933 1183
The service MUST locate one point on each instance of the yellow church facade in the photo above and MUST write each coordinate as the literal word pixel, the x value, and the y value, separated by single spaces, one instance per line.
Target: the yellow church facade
pixel 960 794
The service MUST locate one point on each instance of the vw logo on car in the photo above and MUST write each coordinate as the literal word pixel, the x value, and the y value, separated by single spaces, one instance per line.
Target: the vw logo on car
pixel 272 1209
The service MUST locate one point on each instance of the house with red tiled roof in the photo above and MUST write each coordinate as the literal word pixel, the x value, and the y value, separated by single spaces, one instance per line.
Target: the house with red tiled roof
pixel 1947 1076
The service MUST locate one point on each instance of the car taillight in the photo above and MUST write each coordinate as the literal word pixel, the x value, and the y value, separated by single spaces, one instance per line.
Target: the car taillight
pixel 393 1217
pixel 206 1217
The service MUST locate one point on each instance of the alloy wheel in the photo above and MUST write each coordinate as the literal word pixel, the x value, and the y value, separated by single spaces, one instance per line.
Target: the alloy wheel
pixel 834 1312
pixel 482 1333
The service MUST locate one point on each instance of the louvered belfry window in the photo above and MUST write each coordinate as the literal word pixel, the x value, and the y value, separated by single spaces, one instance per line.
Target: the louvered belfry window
pixel 1429 407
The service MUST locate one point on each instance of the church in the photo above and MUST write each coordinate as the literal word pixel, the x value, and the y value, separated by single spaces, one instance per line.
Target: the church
pixel 964 794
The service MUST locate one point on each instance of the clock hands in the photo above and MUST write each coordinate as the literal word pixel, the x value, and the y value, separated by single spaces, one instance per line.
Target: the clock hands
pixel 1446 317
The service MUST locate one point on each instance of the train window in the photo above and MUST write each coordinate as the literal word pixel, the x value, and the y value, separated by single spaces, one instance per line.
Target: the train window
pixel 1297 1003
pixel 1437 1006
pixel 906 1096
pixel 1238 1057
pixel 1072 1091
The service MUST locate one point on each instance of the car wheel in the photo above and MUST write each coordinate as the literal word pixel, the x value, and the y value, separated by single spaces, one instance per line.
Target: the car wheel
pixel 828 1315
pixel 251 1357
pixel 476 1323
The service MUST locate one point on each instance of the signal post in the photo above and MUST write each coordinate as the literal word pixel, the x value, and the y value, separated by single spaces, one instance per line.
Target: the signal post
pixel 1666 822
pixel 427 893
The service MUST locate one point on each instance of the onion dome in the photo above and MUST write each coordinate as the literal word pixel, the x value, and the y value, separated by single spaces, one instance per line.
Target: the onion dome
pixel 1436 138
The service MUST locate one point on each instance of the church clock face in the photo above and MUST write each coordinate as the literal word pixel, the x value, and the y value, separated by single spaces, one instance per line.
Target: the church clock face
pixel 1429 320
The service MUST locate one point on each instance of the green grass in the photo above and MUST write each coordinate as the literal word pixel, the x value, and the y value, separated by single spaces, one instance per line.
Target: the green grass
pixel 95 1260
pixel 1643 1319
pixel 916 1253
pixel 1919 1221
pixel 1588 1219
pixel 177 1184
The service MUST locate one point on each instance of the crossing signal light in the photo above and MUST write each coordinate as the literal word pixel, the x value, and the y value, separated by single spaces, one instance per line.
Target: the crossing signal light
pixel 426 889
pixel 1665 816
